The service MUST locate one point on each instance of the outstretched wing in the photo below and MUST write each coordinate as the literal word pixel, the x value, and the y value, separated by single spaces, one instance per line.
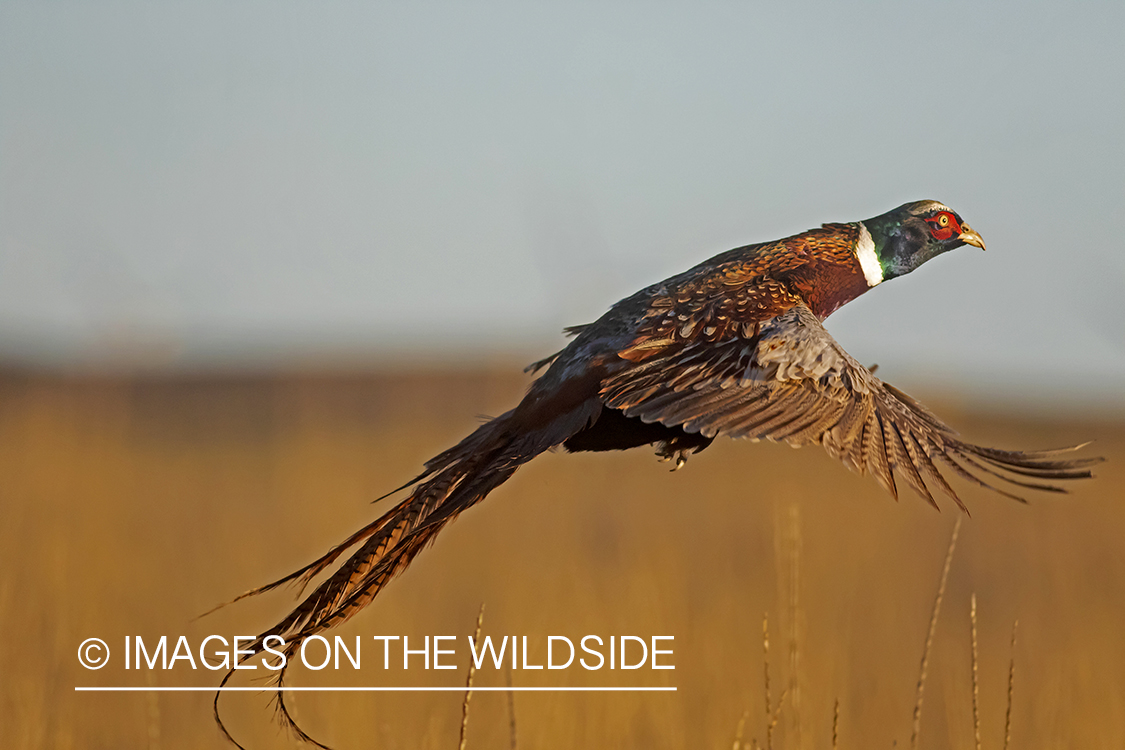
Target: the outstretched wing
pixel 787 379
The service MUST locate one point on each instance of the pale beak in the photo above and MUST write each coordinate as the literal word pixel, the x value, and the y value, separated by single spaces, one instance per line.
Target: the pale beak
pixel 970 237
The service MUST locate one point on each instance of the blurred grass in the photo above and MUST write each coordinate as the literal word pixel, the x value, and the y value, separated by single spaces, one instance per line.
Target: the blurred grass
pixel 132 504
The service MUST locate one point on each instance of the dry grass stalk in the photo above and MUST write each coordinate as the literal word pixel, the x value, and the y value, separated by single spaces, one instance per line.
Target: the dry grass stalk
pixel 930 635
pixel 511 710
pixel 836 725
pixel 976 682
pixel 766 660
pixel 794 543
pixel 153 714
pixel 469 685
pixel 777 711
pixel 1011 685
pixel 741 728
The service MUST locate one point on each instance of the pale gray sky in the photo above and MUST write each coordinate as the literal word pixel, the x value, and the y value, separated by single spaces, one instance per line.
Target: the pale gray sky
pixel 238 183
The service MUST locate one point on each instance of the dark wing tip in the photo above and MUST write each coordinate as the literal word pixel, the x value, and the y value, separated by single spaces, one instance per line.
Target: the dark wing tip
pixel 1017 467
pixel 925 438
pixel 539 364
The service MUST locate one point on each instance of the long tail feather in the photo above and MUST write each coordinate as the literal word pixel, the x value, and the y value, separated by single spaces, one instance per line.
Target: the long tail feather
pixel 454 481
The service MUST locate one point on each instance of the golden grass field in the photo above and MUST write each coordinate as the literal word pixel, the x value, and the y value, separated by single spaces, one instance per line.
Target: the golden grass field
pixel 133 504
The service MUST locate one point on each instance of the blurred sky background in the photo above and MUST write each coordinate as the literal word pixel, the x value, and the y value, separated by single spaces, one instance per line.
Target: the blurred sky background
pixel 254 184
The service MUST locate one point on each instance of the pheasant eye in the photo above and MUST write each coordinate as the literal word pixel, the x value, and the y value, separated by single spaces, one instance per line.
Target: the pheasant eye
pixel 943 225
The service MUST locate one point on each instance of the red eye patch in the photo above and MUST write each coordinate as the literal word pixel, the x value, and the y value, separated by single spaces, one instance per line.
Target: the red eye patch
pixel 943 225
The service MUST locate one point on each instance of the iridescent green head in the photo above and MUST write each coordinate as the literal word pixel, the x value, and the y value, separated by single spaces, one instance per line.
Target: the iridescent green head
pixel 911 234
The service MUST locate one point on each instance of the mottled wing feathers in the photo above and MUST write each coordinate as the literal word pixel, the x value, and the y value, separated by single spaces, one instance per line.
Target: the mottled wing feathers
pixel 831 242
pixel 701 314
pixel 788 380
pixel 729 295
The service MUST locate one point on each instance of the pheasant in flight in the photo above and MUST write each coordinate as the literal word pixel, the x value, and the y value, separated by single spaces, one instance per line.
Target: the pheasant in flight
pixel 734 346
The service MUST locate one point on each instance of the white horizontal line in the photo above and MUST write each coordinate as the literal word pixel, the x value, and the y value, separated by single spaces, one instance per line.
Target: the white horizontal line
pixel 131 689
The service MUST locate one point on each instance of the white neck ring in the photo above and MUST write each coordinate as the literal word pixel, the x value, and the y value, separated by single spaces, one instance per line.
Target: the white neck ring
pixel 868 260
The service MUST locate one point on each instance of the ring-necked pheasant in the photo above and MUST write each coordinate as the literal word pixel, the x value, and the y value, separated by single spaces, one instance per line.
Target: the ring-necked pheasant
pixel 733 346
